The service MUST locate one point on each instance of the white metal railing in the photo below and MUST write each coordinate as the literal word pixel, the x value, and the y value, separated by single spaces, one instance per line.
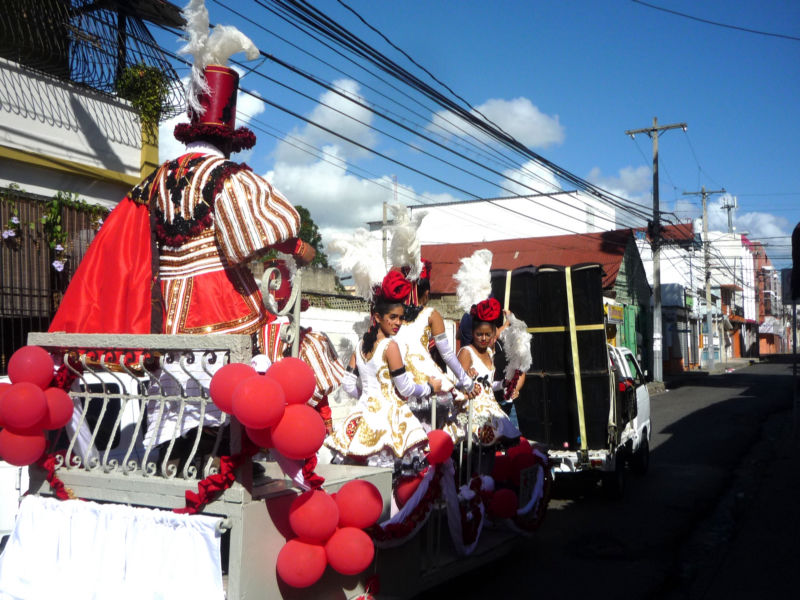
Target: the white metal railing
pixel 142 407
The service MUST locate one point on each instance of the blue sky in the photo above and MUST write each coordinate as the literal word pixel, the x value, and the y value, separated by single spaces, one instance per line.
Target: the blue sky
pixel 565 78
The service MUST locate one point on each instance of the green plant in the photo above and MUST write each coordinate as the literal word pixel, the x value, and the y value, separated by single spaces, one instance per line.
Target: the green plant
pixel 146 88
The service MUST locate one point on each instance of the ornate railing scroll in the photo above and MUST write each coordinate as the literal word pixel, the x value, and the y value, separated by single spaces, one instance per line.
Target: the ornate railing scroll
pixel 271 281
pixel 142 407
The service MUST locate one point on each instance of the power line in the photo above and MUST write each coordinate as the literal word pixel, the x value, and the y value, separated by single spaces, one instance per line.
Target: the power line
pixel 332 30
pixel 717 23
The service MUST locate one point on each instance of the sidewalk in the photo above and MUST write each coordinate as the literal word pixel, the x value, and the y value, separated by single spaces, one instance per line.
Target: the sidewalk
pixel 679 379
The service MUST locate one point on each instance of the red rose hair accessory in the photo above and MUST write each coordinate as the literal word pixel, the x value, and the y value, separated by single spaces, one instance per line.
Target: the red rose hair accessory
pixel 487 310
pixel 395 286
pixel 426 269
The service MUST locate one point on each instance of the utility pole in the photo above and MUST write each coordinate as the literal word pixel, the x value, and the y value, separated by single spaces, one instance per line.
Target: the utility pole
pixel 658 365
pixel 707 254
pixel 730 204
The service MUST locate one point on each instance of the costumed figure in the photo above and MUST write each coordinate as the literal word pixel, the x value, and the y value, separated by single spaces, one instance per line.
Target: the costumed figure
pixel 382 431
pixel 172 256
pixel 488 423
pixel 423 333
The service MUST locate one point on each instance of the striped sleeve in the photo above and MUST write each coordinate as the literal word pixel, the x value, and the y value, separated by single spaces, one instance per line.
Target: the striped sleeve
pixel 250 216
pixel 317 351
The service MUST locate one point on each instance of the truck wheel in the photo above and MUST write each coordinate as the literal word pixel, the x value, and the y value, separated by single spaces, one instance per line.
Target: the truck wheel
pixel 614 481
pixel 641 459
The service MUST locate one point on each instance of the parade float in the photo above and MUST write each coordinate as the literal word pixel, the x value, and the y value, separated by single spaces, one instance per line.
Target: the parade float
pixel 174 445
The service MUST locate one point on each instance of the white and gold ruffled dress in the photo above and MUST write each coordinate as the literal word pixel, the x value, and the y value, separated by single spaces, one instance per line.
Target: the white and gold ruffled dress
pixel 414 339
pixel 381 431
pixel 489 423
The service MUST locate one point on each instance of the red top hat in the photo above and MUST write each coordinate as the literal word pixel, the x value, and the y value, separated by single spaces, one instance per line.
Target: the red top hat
pixel 218 121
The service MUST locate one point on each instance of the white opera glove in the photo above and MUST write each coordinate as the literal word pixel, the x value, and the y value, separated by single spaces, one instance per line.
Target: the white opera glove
pixel 406 386
pixel 350 382
pixel 465 382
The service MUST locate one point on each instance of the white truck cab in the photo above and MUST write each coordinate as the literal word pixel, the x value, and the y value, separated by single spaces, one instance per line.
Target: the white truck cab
pixel 629 428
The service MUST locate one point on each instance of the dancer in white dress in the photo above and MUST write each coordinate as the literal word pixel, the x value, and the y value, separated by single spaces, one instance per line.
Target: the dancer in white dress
pixel 490 424
pixel 423 331
pixel 382 430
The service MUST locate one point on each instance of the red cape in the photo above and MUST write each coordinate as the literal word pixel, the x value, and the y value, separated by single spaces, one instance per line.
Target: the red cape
pixel 110 291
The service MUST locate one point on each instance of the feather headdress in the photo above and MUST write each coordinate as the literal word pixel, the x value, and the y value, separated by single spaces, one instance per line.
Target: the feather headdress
pixel 358 257
pixel 517 346
pixel 405 249
pixel 474 279
pixel 206 48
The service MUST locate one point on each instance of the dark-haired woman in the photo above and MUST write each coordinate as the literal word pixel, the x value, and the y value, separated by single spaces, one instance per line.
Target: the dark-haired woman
pixel 490 424
pixel 382 431
pixel 423 327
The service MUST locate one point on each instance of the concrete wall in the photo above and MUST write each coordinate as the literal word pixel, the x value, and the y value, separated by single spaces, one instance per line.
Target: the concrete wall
pixel 71 127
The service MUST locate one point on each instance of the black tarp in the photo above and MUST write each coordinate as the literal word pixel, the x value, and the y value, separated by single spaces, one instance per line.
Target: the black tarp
pixel 547 407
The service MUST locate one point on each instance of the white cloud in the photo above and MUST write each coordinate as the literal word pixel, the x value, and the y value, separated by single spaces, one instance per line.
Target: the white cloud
pixel 334 197
pixel 530 178
pixel 519 117
pixel 336 116
pixel 632 183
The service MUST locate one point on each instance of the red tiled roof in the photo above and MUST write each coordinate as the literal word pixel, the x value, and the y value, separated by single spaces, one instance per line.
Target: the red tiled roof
pixel 606 248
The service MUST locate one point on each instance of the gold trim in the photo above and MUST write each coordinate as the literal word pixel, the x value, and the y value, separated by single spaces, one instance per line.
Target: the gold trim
pixel 67 166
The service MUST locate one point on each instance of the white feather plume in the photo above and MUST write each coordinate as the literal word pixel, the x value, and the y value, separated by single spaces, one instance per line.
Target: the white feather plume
pixel 517 346
pixel 358 256
pixel 207 49
pixel 474 279
pixel 196 35
pixel 405 249
pixel 225 41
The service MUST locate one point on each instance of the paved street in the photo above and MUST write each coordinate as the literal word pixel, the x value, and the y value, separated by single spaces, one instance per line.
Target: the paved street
pixel 714 438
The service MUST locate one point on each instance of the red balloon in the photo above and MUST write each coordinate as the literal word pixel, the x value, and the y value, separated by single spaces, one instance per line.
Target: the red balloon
pixel 405 488
pixel 520 462
pixel 350 551
pixel 3 387
pixel 31 364
pixel 300 564
pixel 24 406
pixel 313 516
pixel 59 408
pixel 21 449
pixel 300 432
pixel 523 447
pixel 503 504
pixel 360 504
pixel 441 446
pixel 295 377
pixel 501 471
pixel 258 402
pixel 225 381
pixel 260 437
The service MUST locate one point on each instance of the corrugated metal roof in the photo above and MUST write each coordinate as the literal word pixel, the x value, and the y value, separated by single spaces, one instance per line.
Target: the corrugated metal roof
pixel 606 248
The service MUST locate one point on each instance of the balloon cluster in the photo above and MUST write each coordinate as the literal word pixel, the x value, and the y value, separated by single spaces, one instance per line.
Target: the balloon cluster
pixel 29 406
pixel 272 406
pixel 507 472
pixel 329 530
pixel 440 448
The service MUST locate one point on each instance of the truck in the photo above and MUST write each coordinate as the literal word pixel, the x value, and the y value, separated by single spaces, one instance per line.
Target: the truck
pixel 586 400
pixel 127 387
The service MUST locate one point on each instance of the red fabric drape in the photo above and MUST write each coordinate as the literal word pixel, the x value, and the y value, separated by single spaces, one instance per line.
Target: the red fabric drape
pixel 110 292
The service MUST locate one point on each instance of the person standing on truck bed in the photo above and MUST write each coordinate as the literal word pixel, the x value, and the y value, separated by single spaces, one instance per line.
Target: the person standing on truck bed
pixel 382 431
pixel 490 424
pixel 422 336
pixel 172 256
